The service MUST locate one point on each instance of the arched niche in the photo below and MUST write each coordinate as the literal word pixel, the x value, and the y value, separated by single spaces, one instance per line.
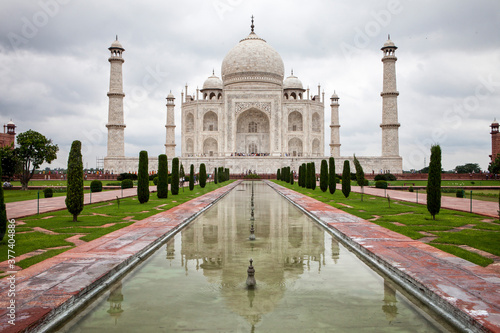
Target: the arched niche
pixel 295 147
pixel 210 122
pixel 210 147
pixel 253 132
pixel 295 121
pixel 189 123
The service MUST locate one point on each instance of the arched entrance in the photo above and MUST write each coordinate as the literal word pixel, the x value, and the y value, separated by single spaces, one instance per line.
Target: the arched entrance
pixel 252 133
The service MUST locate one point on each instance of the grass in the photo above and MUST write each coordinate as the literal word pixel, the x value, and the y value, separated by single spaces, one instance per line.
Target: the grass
pixel 447 182
pixel 90 223
pixel 410 219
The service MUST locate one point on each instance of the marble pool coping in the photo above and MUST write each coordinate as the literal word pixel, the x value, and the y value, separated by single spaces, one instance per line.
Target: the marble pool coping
pixel 49 292
pixel 465 293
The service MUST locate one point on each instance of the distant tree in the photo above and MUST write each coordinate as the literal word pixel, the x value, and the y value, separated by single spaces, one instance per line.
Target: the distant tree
pixel 174 183
pixel 203 175
pixel 278 174
pixel 291 178
pixel 143 178
pixel 434 182
pixel 308 175
pixel 304 175
pixel 162 187
pixel 468 168
pixel 10 163
pixel 74 187
pixel 191 177
pixel 3 211
pixel 216 176
pixel 360 175
pixel 346 179
pixel 331 175
pixel 494 166
pixel 424 170
pixel 33 150
pixel 323 176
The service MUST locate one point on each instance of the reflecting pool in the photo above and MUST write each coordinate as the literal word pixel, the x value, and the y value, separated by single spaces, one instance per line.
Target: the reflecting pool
pixel 306 280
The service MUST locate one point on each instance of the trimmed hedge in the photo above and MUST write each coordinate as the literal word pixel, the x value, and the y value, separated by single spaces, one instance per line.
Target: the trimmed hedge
pixel 381 184
pixel 127 183
pixel 48 193
pixel 96 186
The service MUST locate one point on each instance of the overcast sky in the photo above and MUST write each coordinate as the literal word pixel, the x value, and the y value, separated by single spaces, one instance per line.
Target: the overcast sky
pixel 54 69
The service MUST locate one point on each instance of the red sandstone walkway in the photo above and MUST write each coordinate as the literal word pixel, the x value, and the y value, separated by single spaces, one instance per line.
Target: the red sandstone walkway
pixel 49 287
pixel 481 207
pixel 29 207
pixel 467 290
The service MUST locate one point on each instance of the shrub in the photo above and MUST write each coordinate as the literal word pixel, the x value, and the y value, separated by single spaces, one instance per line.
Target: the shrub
pixel 191 177
pixel 460 193
pixel 387 176
pixel 331 175
pixel 155 180
pixel 153 176
pixel 410 189
pixel 434 182
pixel 323 176
pixel 74 197
pixel 127 183
pixel 113 184
pixel 346 179
pixel 278 174
pixel 174 187
pixel 203 175
pixel 48 193
pixel 143 178
pixel 162 186
pixel 252 176
pixel 381 184
pixel 96 186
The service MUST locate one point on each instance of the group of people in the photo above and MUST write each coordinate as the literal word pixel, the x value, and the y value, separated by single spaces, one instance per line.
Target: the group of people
pixel 250 154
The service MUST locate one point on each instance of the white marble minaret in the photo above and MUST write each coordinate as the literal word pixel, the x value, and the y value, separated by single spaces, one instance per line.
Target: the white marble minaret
pixel 390 125
pixel 170 126
pixel 335 126
pixel 116 125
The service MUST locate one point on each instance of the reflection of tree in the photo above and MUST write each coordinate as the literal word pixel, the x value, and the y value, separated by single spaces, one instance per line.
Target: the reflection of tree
pixel 335 250
pixel 286 242
pixel 115 300
pixel 390 309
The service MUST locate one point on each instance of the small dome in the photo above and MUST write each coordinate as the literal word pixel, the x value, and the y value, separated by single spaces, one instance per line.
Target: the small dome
pixel 389 43
pixel 495 122
pixel 292 82
pixel 10 122
pixel 170 96
pixel 335 96
pixel 116 45
pixel 213 82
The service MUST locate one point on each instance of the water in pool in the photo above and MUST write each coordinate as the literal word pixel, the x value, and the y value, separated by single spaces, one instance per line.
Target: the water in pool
pixel 306 280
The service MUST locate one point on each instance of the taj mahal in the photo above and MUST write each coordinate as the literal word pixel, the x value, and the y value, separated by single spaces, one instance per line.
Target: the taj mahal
pixel 253 118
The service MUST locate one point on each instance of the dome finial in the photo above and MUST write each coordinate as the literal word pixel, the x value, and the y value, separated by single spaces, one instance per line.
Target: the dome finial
pixel 252 26
pixel 292 71
pixel 389 36
pixel 116 37
pixel 213 71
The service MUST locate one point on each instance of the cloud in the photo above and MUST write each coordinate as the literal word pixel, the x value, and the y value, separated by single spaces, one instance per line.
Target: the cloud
pixel 54 73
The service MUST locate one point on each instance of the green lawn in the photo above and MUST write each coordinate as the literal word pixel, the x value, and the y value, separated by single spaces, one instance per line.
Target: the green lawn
pixel 446 182
pixel 90 222
pixel 411 219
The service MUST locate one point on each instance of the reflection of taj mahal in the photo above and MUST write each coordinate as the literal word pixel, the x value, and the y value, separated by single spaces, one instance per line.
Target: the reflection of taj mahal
pixel 253 118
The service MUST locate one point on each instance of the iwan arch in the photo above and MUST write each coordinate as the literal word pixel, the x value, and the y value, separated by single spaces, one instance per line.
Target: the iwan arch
pixel 253 118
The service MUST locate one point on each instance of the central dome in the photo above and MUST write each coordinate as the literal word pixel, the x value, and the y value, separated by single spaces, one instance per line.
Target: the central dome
pixel 252 60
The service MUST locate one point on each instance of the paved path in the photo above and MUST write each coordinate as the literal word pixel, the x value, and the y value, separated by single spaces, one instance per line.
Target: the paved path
pixel 481 207
pixel 469 292
pixel 30 207
pixel 48 288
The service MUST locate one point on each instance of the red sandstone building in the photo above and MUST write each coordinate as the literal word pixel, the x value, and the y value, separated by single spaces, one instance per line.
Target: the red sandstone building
pixel 495 141
pixel 8 137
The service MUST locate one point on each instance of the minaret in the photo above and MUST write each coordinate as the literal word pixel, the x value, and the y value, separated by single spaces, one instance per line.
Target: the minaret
pixel 115 124
pixel 390 125
pixel 335 126
pixel 170 126
pixel 495 140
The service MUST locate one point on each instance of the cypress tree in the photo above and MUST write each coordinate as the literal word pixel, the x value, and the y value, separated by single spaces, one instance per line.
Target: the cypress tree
pixel 203 175
pixel 74 194
pixel 304 175
pixel 434 182
pixel 291 178
pixel 360 175
pixel 143 178
pixel 182 174
pixel 216 176
pixel 191 177
pixel 220 174
pixel 332 184
pixel 313 176
pixel 162 187
pixel 308 175
pixel 3 211
pixel 174 182
pixel 278 175
pixel 346 179
pixel 323 176
pixel 299 178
